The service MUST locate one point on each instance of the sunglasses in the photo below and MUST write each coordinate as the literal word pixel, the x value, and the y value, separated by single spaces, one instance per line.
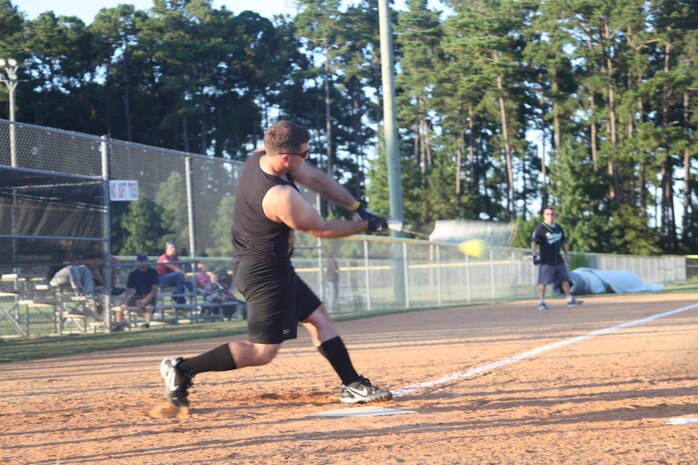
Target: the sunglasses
pixel 299 154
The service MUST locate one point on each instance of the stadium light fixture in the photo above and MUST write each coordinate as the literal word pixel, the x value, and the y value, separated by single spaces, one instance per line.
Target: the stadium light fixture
pixel 9 78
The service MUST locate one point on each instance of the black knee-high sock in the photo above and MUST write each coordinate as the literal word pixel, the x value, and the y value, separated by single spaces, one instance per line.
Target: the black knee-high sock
pixel 218 359
pixel 336 353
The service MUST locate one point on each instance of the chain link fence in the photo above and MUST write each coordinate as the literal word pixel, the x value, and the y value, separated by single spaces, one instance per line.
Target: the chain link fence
pixel 189 198
pixel 440 275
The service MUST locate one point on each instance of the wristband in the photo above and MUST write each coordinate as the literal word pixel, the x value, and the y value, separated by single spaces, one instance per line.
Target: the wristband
pixel 355 206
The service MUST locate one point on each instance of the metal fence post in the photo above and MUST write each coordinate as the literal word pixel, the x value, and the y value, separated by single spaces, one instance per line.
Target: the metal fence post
pixel 512 266
pixel 534 280
pixel 320 259
pixel 438 275
pixel 494 292
pixel 190 220
pixel 190 207
pixel 406 275
pixel 367 275
pixel 106 231
pixel 26 320
pixel 467 277
pixel 321 274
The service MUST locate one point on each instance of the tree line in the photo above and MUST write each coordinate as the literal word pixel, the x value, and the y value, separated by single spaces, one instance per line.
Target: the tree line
pixel 504 106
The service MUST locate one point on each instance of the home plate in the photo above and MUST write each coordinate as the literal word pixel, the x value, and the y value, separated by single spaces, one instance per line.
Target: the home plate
pixel 682 421
pixel 361 412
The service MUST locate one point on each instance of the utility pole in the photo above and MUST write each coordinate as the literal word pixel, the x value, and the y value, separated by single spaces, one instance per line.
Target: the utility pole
pixel 392 147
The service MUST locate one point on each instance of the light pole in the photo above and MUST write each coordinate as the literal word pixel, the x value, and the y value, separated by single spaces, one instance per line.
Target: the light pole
pixel 392 149
pixel 10 80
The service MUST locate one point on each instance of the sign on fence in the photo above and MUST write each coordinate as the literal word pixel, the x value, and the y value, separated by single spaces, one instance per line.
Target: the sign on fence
pixel 124 191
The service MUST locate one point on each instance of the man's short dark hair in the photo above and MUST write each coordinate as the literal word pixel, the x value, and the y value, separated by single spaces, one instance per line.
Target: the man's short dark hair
pixel 285 136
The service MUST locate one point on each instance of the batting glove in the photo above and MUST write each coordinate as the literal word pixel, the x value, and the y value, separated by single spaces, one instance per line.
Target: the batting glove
pixel 536 260
pixel 375 223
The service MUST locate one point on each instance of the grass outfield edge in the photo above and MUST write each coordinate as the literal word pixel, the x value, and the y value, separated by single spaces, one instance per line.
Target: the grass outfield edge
pixel 46 347
pixel 60 346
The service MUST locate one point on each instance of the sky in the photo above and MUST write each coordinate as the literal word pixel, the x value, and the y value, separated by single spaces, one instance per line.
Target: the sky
pixel 87 9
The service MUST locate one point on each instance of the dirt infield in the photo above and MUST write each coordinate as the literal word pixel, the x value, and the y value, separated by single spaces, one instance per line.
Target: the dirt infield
pixel 605 399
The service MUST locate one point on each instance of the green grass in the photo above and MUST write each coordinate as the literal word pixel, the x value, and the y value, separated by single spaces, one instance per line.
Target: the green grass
pixel 13 350
pixel 688 286
pixel 59 346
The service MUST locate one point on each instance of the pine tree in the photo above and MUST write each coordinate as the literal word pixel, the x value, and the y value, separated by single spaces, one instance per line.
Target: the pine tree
pixel 144 229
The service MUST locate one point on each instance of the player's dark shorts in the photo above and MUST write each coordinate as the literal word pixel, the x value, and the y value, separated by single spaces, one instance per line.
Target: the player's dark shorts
pixel 277 299
pixel 553 274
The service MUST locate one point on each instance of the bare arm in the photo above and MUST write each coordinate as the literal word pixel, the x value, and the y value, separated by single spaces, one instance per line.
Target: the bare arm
pixel 151 295
pixel 175 268
pixel 284 204
pixel 324 185
pixel 170 266
pixel 127 295
pixel 566 249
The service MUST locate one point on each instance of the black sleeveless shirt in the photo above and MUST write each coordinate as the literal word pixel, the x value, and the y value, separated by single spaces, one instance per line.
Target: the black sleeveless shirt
pixel 255 235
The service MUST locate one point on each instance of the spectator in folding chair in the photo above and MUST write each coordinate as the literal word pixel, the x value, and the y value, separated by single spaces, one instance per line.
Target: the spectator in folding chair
pixel 171 274
pixel 203 280
pixel 205 288
pixel 225 278
pixel 219 294
pixel 141 290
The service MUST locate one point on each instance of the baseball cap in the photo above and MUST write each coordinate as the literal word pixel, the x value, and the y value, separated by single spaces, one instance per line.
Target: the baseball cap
pixel 141 256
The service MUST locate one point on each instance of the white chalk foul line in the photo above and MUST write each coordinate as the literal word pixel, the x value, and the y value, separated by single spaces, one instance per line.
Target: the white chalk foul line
pixel 683 421
pixel 537 351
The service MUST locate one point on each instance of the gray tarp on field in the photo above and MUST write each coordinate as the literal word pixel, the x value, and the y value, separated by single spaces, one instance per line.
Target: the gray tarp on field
pixel 589 281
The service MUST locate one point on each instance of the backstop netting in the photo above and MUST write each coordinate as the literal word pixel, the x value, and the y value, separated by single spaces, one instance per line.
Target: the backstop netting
pixel 39 209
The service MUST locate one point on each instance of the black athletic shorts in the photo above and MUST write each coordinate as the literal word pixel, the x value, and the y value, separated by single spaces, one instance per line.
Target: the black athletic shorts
pixel 277 299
